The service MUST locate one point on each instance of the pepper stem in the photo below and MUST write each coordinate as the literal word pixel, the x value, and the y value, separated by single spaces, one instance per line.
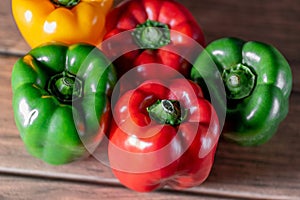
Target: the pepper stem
pixel 152 35
pixel 239 81
pixel 65 3
pixel 66 87
pixel 166 112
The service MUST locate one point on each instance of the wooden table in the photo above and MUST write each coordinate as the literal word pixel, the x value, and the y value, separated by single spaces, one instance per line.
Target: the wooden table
pixel 271 171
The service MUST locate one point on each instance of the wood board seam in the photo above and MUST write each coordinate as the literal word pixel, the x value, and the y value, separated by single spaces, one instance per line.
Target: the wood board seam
pixel 202 190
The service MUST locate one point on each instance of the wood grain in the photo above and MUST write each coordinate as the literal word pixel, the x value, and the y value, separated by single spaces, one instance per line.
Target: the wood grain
pixel 272 22
pixel 270 171
pixel 276 23
pixel 49 189
pixel 11 40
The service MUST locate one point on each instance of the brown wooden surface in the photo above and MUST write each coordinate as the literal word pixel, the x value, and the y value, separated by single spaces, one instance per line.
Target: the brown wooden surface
pixel 271 171
pixel 37 188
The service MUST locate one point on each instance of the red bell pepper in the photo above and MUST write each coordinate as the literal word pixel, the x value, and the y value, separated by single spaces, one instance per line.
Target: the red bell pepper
pixel 164 133
pixel 157 31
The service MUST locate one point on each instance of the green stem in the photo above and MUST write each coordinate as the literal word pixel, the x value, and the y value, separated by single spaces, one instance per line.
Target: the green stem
pixel 66 87
pixel 239 81
pixel 152 35
pixel 65 3
pixel 166 112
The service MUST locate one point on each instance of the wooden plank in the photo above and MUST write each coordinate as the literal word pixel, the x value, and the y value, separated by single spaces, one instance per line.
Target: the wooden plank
pixel 272 168
pixel 20 188
pixel 268 21
pixel 11 40
pixel 296 72
pixel 274 22
pixel 270 171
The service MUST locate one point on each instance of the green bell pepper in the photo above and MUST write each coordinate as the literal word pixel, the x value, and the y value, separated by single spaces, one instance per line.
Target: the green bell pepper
pixel 61 100
pixel 258 82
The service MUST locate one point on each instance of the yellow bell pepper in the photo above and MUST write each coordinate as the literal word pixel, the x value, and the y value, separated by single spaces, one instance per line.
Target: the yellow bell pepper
pixel 67 21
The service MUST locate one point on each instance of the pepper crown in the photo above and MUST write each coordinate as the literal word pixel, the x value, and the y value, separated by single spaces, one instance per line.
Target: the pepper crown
pixel 166 112
pixel 66 3
pixel 66 87
pixel 239 81
pixel 152 35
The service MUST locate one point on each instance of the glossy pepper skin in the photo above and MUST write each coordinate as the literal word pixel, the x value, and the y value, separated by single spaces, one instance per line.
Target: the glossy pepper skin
pixel 164 133
pixel 258 82
pixel 67 21
pixel 158 34
pixel 61 100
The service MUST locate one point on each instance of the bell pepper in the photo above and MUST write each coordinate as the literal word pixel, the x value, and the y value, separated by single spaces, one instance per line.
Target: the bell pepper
pixel 61 100
pixel 163 133
pixel 151 31
pixel 258 82
pixel 67 21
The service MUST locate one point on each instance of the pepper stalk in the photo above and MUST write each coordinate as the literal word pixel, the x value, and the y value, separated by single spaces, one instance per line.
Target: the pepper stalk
pixel 152 35
pixel 166 112
pixel 239 81
pixel 66 87
pixel 65 3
